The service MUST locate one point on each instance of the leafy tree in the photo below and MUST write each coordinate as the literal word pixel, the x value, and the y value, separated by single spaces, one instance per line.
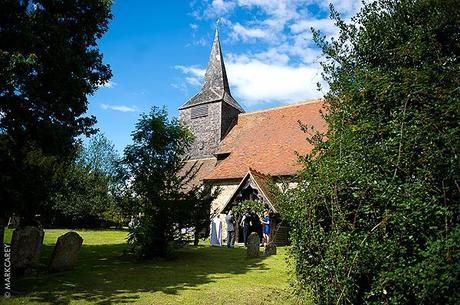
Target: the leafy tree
pixel 100 155
pixel 198 216
pixel 153 164
pixel 82 198
pixel 375 219
pixel 49 64
pixel 86 197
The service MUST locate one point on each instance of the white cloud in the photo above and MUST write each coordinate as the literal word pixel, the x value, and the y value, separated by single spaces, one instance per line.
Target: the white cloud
pixel 256 82
pixel 194 75
pixel 345 7
pixel 180 86
pixel 326 26
pixel 194 81
pixel 219 7
pixel 245 33
pixel 109 84
pixel 273 56
pixel 194 70
pixel 121 108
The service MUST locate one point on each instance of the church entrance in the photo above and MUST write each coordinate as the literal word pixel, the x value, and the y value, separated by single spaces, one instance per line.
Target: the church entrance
pixel 252 197
pixel 251 205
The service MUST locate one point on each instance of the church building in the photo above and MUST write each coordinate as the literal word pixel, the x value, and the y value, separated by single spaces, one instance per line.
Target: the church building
pixel 240 152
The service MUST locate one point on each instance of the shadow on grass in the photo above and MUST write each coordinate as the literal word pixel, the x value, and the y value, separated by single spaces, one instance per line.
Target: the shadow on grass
pixel 104 277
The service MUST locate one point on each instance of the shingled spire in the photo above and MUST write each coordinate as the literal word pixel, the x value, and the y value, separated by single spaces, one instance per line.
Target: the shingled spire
pixel 215 87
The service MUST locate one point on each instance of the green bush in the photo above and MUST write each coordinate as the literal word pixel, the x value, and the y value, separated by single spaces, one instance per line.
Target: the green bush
pixel 253 205
pixel 375 219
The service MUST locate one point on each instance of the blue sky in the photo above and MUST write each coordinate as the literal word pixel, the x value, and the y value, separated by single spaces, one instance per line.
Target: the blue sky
pixel 158 51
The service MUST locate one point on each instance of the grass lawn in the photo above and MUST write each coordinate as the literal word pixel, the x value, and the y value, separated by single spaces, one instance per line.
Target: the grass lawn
pixel 197 275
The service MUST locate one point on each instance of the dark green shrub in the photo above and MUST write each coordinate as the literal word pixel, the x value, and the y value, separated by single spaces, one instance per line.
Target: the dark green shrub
pixel 375 219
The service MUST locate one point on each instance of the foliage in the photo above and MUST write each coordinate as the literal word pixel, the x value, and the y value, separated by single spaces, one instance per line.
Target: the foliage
pixel 100 156
pixel 199 207
pixel 253 205
pixel 49 64
pixel 156 184
pixel 85 197
pixel 375 219
pixel 82 198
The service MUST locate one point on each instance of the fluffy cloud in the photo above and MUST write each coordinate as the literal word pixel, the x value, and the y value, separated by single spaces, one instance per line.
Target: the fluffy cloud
pixel 121 108
pixel 326 26
pixel 245 33
pixel 194 75
pixel 256 82
pixel 277 59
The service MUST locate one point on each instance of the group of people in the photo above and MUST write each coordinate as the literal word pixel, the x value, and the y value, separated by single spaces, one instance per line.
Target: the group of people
pixel 250 222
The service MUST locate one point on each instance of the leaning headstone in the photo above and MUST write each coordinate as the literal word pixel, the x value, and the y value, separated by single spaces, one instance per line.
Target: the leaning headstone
pixel 253 245
pixel 26 245
pixel 65 254
pixel 270 249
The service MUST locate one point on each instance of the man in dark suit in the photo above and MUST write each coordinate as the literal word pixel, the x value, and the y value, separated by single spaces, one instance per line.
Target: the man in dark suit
pixel 230 229
pixel 246 223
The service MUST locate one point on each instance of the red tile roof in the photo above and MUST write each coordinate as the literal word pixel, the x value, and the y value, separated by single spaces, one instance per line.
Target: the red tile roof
pixel 267 140
pixel 196 171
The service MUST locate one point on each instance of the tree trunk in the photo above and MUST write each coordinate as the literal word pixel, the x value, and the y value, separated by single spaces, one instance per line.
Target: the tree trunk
pixel 196 238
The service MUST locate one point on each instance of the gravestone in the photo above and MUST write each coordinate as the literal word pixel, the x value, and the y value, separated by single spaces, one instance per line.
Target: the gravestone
pixel 26 245
pixel 65 254
pixel 270 249
pixel 253 245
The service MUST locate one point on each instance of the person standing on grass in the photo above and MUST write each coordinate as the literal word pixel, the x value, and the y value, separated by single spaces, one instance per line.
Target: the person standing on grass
pixel 230 229
pixel 246 223
pixel 266 223
pixel 256 225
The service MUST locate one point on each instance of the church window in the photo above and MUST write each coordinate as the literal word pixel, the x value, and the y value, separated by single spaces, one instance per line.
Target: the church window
pixel 199 111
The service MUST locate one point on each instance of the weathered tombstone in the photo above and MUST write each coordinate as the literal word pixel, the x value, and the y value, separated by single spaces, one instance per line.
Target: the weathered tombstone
pixel 65 254
pixel 270 249
pixel 253 245
pixel 26 245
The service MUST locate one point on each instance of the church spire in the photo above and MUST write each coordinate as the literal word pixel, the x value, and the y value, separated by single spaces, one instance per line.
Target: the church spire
pixel 215 87
pixel 216 76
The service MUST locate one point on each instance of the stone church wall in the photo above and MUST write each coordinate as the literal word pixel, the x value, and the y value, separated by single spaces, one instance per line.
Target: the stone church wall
pixel 206 129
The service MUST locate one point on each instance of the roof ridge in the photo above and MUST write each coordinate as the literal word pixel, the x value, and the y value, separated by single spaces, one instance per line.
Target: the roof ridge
pixel 312 101
pixel 254 171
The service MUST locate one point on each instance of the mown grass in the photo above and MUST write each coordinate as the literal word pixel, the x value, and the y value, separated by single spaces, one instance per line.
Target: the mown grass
pixel 196 275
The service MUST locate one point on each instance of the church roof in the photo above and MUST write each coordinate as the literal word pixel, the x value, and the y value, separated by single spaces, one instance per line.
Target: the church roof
pixel 268 140
pixel 197 170
pixel 215 86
